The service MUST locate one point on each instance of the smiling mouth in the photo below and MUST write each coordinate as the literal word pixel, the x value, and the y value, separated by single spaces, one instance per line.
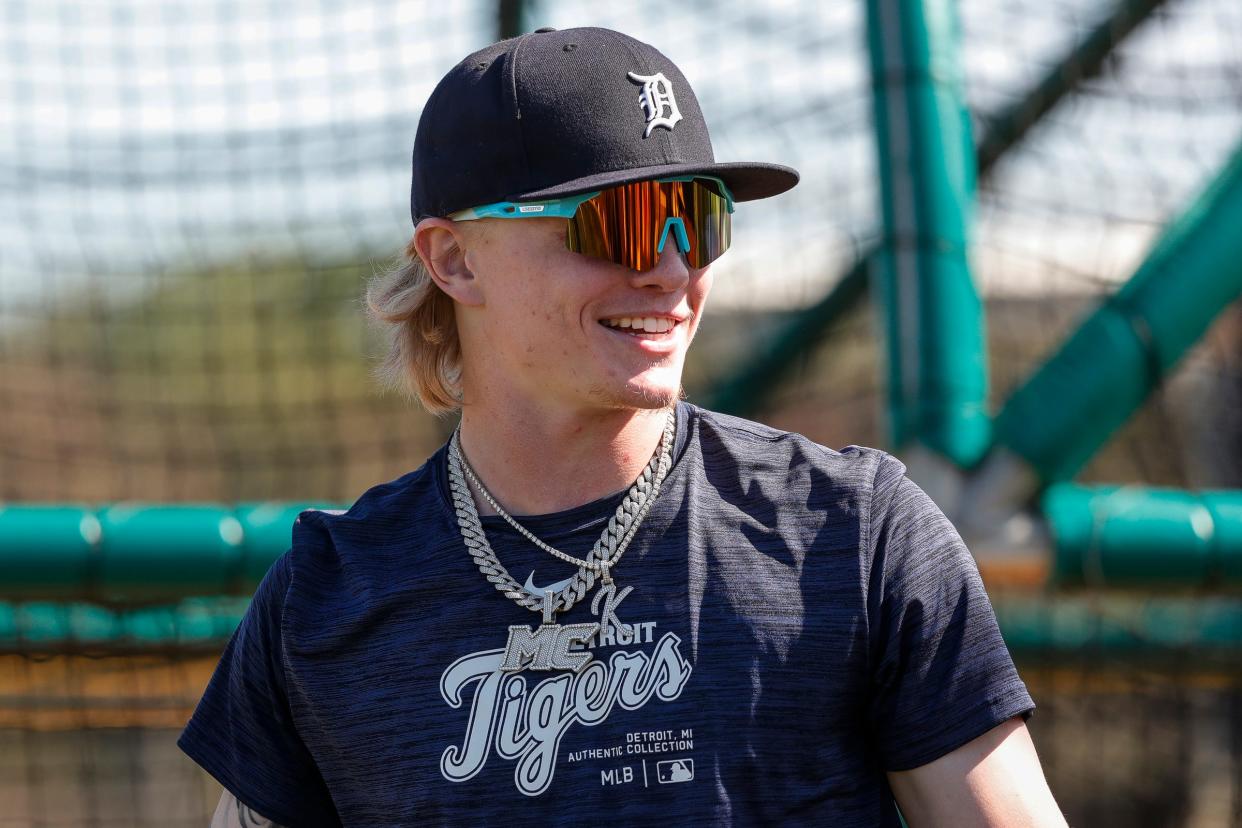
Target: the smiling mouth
pixel 649 327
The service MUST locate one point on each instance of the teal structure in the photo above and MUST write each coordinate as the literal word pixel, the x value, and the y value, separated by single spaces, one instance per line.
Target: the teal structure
pixel 1139 628
pixel 937 366
pixel 133 553
pixel 1077 399
pixel 742 393
pixel 1131 536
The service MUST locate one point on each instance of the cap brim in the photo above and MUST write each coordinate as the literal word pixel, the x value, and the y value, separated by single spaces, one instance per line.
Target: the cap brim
pixel 747 181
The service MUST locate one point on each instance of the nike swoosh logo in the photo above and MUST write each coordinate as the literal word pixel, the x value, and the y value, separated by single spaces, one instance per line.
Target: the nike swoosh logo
pixel 530 587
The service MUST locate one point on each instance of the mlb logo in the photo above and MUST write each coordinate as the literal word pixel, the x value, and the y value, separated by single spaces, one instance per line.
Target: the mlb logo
pixel 675 770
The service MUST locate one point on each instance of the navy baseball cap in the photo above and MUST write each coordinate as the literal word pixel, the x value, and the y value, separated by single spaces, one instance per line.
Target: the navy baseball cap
pixel 556 113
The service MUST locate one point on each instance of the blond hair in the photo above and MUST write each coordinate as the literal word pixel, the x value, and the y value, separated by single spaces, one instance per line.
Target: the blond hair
pixel 424 354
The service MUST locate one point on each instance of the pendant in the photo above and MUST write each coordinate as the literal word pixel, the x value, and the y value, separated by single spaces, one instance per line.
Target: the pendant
pixel 608 596
pixel 547 646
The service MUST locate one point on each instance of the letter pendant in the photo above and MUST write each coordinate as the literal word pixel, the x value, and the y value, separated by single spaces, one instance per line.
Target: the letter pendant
pixel 547 647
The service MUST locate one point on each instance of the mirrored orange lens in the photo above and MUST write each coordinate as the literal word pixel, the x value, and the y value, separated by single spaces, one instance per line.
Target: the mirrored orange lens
pixel 624 224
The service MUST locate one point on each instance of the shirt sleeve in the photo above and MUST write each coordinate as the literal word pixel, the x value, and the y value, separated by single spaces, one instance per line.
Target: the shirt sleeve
pixel 941 674
pixel 242 731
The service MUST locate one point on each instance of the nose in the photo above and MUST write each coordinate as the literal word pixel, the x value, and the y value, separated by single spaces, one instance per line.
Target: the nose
pixel 671 271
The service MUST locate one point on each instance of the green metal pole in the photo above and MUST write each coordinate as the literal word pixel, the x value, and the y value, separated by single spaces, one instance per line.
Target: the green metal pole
pixel 1113 536
pixel 937 367
pixel 743 392
pixel 1075 401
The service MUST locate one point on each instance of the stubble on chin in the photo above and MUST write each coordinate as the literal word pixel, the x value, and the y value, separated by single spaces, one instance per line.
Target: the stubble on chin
pixel 646 398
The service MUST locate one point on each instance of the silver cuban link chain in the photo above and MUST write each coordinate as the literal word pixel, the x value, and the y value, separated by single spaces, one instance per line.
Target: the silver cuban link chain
pixel 612 543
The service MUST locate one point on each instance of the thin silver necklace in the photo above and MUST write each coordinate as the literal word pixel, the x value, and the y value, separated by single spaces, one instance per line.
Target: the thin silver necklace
pixel 612 543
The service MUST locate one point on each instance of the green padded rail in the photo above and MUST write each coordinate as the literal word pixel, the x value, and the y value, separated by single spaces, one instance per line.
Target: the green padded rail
pixel 1118 536
pixel 138 553
pixel 1121 626
pixel 1057 626
pixel 1077 399
pixel 193 624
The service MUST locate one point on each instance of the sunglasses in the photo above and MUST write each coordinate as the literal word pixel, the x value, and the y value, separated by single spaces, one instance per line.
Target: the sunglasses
pixel 629 224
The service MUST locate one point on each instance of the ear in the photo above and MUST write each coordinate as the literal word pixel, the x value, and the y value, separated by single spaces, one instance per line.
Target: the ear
pixel 441 244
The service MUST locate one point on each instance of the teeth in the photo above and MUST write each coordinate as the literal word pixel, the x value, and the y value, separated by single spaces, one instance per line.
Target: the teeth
pixel 648 324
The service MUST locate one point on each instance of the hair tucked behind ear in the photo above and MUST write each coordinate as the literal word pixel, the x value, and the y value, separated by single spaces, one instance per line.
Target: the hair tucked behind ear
pixel 424 353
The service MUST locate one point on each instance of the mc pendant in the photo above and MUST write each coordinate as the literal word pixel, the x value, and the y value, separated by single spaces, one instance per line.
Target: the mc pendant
pixel 547 647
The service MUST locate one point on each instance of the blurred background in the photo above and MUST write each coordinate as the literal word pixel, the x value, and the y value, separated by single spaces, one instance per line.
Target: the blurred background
pixel 1014 261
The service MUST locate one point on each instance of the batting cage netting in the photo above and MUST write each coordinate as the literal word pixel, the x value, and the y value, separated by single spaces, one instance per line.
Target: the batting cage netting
pixel 193 197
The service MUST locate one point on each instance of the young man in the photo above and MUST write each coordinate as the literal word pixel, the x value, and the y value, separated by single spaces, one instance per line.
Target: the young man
pixel 598 603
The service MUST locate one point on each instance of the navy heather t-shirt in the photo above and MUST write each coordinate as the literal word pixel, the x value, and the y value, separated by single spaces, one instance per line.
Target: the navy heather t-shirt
pixel 800 621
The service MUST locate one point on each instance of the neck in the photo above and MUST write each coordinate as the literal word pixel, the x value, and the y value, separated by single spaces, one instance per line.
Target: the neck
pixel 536 460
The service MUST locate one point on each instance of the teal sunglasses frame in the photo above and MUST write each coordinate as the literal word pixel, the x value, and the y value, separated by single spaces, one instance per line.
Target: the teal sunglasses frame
pixel 567 206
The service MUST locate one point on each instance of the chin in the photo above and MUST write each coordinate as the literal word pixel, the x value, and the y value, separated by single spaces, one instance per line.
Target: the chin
pixel 644 395
pixel 657 397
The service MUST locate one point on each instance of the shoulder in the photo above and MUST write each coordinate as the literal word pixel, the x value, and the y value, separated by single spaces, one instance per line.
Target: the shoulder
pixel 793 487
pixel 757 449
pixel 384 513
pixel 337 556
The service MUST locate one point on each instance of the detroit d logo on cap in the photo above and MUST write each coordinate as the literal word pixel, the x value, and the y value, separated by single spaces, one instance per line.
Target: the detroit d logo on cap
pixel 657 100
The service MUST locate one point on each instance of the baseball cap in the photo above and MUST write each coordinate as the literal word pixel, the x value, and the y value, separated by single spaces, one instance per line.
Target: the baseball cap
pixel 556 113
